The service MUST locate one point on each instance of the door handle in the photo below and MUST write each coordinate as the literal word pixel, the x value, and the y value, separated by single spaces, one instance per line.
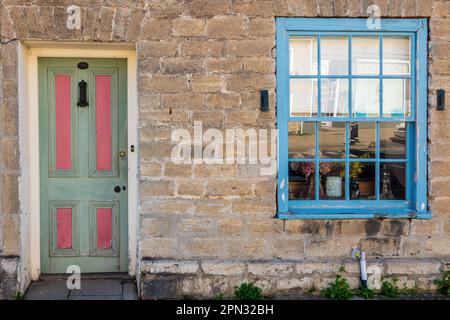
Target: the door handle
pixel 117 189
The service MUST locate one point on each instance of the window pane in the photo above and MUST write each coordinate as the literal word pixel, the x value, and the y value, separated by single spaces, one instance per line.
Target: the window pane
pixel 303 55
pixel 396 55
pixel 303 97
pixel 365 55
pixel 396 97
pixel 332 180
pixel 333 55
pixel 362 180
pixel 302 139
pixel 392 181
pixel 393 140
pixel 362 139
pixel 331 139
pixel 302 181
pixel 366 97
pixel 334 97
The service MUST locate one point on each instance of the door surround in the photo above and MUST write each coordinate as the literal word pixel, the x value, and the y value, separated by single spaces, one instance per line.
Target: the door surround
pixel 28 53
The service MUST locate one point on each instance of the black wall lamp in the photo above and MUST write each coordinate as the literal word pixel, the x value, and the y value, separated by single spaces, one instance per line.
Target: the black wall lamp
pixel 441 100
pixel 82 99
pixel 264 100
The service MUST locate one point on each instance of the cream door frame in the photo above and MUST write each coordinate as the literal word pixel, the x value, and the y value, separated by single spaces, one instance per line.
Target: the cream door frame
pixel 29 52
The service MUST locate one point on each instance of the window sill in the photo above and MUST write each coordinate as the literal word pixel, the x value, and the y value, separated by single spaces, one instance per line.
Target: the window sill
pixel 295 213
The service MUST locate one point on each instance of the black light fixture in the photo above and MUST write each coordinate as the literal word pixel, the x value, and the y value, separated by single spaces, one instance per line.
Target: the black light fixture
pixel 82 99
pixel 440 100
pixel 264 100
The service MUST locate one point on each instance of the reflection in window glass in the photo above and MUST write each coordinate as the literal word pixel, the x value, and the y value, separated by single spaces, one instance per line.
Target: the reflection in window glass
pixel 334 97
pixel 362 180
pixel 365 55
pixel 396 55
pixel 303 97
pixel 392 181
pixel 333 55
pixel 303 55
pixel 302 181
pixel 302 139
pixel 362 139
pixel 392 140
pixel 331 139
pixel 366 97
pixel 396 97
pixel 332 180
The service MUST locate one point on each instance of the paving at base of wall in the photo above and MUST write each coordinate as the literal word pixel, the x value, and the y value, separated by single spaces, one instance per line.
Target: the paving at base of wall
pixel 55 288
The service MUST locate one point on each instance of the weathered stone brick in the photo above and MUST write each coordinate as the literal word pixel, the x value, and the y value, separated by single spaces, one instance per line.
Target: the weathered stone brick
pixel 188 27
pixel 209 118
pixel 9 159
pixel 149 134
pixel 202 247
pixel 246 117
pixel 441 8
pixel 177 170
pixel 230 227
pixel 212 206
pixel 156 227
pixel 156 150
pixel 271 269
pixel 155 28
pixel 170 266
pixel 418 267
pixel 159 247
pixel 341 247
pixel 134 26
pixel 157 188
pixel 223 100
pixel 248 48
pixel 167 206
pixel 9 197
pixel 252 207
pixel 302 284
pixel 9 117
pixel 259 64
pixel 223 65
pixel 212 48
pixel 250 82
pixel 201 83
pixel 223 268
pixel 380 246
pixel 228 187
pixel 162 48
pixel 205 8
pixel 191 188
pixel 287 249
pixel 163 83
pixel 150 169
pixel 226 26
pixel 261 27
pixel 105 25
pixel 265 227
pixel 198 226
pixel 182 66
pixel 249 248
pixel 11 234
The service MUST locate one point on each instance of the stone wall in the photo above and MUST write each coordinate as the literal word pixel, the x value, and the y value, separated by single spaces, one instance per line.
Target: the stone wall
pixel 206 61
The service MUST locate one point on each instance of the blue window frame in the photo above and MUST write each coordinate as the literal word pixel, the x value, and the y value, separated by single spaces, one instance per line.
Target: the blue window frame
pixel 352 118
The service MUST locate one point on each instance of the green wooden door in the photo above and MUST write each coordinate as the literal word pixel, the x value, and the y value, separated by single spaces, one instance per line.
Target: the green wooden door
pixel 83 165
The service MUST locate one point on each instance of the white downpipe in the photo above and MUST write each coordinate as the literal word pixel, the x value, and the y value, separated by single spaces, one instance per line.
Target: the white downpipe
pixel 363 268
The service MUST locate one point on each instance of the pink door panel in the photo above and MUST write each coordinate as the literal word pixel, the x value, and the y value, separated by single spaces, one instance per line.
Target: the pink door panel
pixel 103 121
pixel 63 122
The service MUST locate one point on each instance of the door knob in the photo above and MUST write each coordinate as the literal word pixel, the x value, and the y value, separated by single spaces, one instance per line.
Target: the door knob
pixel 117 189
pixel 122 154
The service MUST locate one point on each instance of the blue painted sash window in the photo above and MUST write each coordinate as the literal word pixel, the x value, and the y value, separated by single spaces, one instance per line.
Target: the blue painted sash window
pixel 352 119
